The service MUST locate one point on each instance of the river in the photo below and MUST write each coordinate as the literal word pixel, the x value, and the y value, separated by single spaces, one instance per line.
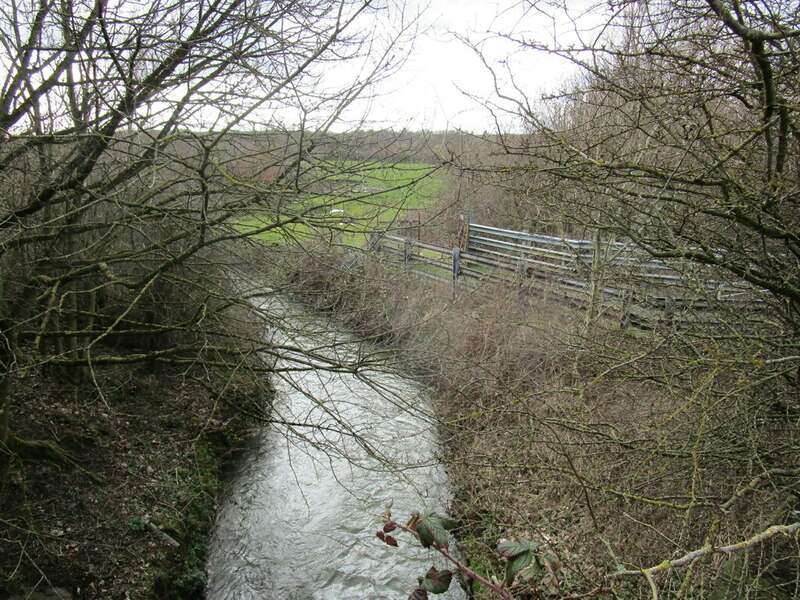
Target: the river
pixel 301 513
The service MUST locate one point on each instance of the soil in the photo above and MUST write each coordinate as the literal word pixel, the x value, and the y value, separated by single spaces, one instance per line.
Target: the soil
pixel 131 470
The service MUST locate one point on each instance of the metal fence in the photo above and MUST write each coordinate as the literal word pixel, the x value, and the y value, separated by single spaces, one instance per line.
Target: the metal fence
pixel 618 275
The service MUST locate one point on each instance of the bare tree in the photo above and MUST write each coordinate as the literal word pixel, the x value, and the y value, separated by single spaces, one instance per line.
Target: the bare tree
pixel 134 141
pixel 680 136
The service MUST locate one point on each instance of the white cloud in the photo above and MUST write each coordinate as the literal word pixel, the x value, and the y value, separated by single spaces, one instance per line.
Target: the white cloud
pixel 443 82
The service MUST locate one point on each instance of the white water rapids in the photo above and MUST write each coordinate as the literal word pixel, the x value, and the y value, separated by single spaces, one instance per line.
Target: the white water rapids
pixel 300 517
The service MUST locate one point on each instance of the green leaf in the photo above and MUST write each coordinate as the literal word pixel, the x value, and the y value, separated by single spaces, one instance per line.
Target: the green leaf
pixel 511 549
pixel 517 564
pixel 425 533
pixel 531 572
pixel 432 531
pixel 437 582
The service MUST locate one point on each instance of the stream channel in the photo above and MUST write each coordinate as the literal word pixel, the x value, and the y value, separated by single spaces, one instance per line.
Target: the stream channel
pixel 300 516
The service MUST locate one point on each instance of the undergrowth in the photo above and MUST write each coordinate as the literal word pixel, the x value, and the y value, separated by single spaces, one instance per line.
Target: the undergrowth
pixel 129 513
pixel 618 449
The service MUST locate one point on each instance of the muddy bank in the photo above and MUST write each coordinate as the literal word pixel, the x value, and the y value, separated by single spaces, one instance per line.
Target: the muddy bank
pixel 124 511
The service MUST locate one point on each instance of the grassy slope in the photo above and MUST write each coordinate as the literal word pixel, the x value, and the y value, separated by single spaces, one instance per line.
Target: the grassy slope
pixel 374 195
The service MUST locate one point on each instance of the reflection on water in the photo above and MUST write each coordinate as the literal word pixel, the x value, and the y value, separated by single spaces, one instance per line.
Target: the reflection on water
pixel 301 515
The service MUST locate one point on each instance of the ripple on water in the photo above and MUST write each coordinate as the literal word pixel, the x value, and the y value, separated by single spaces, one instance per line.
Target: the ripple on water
pixel 301 512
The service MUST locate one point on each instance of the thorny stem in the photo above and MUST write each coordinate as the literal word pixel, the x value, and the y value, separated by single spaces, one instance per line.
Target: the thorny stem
pixel 497 588
pixel 473 575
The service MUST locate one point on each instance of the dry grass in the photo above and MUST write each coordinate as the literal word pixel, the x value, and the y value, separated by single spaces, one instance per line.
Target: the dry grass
pixel 619 449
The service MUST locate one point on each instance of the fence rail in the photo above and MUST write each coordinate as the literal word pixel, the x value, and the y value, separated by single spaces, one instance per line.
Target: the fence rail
pixel 622 276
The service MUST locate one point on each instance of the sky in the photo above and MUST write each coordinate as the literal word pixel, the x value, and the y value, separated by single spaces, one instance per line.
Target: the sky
pixel 454 56
pixel 443 82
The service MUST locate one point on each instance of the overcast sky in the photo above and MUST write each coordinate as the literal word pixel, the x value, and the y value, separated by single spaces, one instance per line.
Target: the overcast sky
pixel 432 91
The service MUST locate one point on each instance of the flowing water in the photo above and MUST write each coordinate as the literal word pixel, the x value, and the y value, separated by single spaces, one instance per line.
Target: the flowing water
pixel 300 518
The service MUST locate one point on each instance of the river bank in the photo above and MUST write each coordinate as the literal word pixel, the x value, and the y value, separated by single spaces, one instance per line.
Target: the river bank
pixel 126 512
pixel 609 449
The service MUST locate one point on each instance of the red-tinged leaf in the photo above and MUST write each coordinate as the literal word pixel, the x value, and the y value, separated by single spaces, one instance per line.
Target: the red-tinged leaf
pixel 419 593
pixel 391 541
pixel 432 531
pixel 381 535
pixel 390 526
pixel 552 562
pixel 552 581
pixel 437 582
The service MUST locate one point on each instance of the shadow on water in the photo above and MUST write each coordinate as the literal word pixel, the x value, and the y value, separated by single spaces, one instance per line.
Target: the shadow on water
pixel 300 517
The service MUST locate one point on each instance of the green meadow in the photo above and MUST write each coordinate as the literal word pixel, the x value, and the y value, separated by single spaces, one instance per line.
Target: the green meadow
pixel 347 201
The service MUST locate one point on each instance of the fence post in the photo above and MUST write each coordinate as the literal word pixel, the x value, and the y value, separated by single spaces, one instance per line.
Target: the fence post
pixel 596 280
pixel 406 250
pixel 463 232
pixel 627 307
pixel 669 310
pixel 456 263
pixel 522 263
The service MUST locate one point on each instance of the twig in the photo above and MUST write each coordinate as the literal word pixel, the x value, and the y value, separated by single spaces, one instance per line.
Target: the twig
pixel 774 361
pixel 164 536
pixel 651 583
pixel 472 574
pixel 708 549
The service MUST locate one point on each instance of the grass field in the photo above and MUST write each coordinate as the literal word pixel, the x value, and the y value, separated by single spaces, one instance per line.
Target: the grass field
pixel 347 200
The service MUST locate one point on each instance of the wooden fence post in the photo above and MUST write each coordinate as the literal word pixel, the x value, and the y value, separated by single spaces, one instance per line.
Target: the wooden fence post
pixel 596 280
pixel 456 263
pixel 669 311
pixel 627 307
pixel 522 263
pixel 463 232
